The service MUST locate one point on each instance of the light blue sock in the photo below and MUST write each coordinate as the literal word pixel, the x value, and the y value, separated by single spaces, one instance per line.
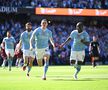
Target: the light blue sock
pixel 9 63
pixel 29 69
pixel 46 67
pixel 78 68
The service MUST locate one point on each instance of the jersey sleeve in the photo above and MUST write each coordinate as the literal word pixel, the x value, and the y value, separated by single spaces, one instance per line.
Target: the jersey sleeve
pixel 72 35
pixel 21 37
pixel 14 40
pixel 3 40
pixel 35 32
pixel 87 38
pixel 50 34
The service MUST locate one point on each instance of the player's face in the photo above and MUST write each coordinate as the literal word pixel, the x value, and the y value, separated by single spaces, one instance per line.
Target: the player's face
pixel 44 24
pixel 94 39
pixel 28 28
pixel 79 28
pixel 8 34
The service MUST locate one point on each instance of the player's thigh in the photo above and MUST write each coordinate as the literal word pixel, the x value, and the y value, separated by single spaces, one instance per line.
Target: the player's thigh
pixel 25 58
pixel 73 57
pixel 46 54
pixel 32 54
pixel 39 54
pixel 9 52
pixel 80 56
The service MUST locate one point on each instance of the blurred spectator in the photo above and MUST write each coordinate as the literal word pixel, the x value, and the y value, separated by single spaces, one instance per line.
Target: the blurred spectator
pixel 95 4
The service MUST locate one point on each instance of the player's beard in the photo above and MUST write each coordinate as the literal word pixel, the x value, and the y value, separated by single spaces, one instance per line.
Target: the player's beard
pixel 28 30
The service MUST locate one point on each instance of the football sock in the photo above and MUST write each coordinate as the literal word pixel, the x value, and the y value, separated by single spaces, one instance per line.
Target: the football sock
pixel 78 68
pixel 29 69
pixel 9 64
pixel 46 67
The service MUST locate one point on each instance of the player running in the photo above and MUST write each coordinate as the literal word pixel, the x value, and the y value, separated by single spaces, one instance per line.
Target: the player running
pixel 80 39
pixel 24 42
pixel 42 35
pixel 8 45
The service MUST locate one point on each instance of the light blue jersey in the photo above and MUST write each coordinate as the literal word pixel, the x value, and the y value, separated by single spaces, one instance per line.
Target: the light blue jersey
pixel 25 38
pixel 41 37
pixel 9 42
pixel 77 37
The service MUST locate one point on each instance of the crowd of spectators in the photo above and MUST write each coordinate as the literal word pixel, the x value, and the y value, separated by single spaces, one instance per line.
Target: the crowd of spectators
pixel 60 33
pixel 95 4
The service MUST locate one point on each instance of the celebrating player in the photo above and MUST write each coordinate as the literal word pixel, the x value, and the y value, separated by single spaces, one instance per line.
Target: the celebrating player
pixel 80 39
pixel 24 42
pixel 8 44
pixel 42 35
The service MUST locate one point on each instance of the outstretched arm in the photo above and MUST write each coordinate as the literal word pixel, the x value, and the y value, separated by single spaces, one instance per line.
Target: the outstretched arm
pixel 67 41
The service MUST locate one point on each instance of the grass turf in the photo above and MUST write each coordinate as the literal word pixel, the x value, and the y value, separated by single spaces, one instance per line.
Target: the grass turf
pixel 58 78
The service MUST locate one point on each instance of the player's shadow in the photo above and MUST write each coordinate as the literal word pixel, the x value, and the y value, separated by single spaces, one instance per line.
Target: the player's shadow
pixel 84 79
pixel 74 80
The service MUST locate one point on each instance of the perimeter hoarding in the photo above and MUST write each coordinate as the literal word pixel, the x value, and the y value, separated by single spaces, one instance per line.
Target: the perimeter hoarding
pixel 71 12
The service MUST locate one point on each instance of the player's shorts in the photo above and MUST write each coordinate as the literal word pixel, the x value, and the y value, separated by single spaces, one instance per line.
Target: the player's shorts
pixel 77 55
pixel 41 52
pixel 29 53
pixel 94 54
pixel 9 51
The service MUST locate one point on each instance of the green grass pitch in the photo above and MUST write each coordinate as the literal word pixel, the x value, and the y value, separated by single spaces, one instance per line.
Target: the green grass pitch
pixel 58 78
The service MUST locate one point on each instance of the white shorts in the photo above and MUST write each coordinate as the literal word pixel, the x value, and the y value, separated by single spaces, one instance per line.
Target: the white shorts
pixel 77 55
pixel 29 53
pixel 9 51
pixel 41 52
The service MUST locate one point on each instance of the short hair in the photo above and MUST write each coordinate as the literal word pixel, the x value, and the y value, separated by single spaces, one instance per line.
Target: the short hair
pixel 44 20
pixel 79 24
pixel 28 23
pixel 8 31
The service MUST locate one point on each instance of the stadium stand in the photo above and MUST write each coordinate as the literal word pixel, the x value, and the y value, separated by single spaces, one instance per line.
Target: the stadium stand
pixel 94 4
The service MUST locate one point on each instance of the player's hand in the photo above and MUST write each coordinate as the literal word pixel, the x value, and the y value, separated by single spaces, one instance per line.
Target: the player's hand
pixel 82 40
pixel 31 48
pixel 61 46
